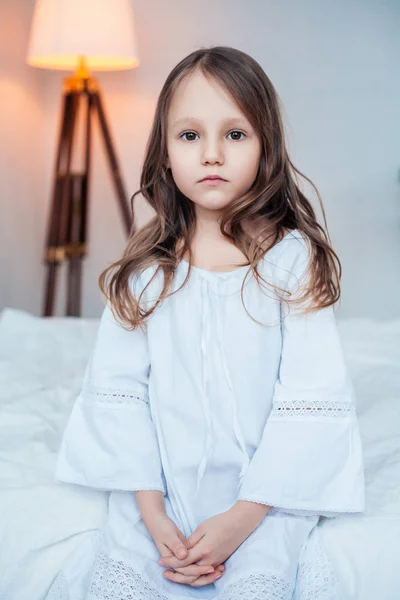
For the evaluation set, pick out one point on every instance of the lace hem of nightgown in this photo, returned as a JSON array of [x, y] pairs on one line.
[[59, 588], [115, 580], [316, 577]]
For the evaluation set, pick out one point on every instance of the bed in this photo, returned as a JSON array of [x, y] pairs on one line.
[[42, 361]]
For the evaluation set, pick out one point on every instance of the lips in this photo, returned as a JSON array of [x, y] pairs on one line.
[[213, 178]]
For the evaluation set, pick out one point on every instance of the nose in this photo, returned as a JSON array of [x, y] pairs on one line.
[[212, 152]]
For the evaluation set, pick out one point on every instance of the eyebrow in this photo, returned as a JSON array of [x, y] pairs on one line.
[[232, 121]]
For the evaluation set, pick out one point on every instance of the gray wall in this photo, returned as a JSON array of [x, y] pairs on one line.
[[335, 67]]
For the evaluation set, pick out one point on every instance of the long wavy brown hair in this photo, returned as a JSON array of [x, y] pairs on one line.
[[272, 206]]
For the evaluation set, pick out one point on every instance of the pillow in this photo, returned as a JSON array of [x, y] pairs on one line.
[[56, 349]]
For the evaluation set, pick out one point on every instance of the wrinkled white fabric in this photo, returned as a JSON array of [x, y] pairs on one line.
[[210, 407]]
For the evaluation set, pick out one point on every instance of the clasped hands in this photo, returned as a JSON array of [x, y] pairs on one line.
[[198, 560]]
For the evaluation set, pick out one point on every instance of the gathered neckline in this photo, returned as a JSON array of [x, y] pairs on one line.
[[211, 272], [233, 272]]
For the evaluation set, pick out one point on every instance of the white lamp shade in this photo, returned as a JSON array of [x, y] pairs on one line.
[[102, 31]]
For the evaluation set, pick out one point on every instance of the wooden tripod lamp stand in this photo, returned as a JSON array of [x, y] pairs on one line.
[[80, 35]]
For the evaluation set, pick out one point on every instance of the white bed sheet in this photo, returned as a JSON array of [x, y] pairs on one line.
[[41, 368]]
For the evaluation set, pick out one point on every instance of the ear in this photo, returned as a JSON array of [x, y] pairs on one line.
[[167, 164]]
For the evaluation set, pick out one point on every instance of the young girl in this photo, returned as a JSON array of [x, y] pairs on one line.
[[216, 406]]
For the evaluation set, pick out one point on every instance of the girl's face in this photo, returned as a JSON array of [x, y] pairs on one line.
[[207, 134]]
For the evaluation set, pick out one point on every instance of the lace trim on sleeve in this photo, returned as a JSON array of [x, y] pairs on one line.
[[332, 511], [113, 397], [311, 408]]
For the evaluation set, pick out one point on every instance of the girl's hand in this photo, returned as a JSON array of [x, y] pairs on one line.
[[171, 542], [183, 574], [217, 538]]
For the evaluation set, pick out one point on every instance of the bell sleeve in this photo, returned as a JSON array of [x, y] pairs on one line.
[[309, 460], [110, 442]]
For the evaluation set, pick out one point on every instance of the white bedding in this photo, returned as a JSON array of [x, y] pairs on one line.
[[41, 368]]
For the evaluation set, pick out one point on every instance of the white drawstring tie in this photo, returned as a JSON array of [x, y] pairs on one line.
[[206, 316]]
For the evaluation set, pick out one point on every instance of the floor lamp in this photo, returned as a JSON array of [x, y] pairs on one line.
[[82, 36]]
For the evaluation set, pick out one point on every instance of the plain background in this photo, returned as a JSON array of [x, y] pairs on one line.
[[335, 68]]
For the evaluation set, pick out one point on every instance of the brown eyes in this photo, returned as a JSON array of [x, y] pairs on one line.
[[190, 133]]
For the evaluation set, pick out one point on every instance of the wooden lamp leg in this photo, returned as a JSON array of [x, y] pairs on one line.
[[57, 224], [126, 211], [68, 222]]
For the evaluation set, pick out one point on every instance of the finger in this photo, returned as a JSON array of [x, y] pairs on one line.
[[220, 570], [206, 579], [183, 539], [164, 550], [195, 570], [221, 566], [179, 577], [193, 539], [178, 549], [204, 561], [173, 562]]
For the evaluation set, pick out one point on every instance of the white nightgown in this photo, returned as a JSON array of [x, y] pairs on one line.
[[210, 407]]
